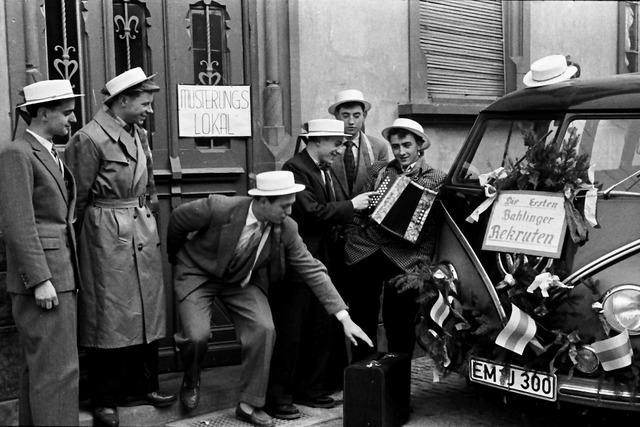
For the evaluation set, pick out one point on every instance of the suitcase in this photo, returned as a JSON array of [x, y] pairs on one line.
[[376, 391]]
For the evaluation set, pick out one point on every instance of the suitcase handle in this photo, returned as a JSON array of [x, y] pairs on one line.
[[376, 363]]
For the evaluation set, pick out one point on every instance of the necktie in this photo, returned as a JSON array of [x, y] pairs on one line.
[[55, 156], [246, 246], [248, 240], [349, 164], [328, 185]]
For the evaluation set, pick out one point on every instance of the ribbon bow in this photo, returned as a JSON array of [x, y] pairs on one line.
[[486, 181], [590, 198], [544, 282]]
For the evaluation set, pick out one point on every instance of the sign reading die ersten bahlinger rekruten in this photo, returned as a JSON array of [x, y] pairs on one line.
[[214, 111], [528, 222]]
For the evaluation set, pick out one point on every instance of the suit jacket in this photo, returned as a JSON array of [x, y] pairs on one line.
[[319, 219], [370, 150], [36, 213], [218, 222]]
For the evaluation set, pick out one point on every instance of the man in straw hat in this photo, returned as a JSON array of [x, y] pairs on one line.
[[300, 362], [122, 303], [233, 248], [37, 197], [361, 150], [376, 255]]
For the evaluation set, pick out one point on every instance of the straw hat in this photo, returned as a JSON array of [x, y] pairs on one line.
[[349, 95], [127, 80], [275, 183], [47, 91], [548, 70], [325, 127], [408, 125]]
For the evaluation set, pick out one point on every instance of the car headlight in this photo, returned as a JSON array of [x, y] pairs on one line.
[[621, 308]]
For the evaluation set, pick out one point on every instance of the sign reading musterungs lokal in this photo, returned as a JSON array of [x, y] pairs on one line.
[[214, 111], [528, 222]]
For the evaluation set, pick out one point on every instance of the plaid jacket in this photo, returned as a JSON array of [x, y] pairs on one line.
[[365, 237]]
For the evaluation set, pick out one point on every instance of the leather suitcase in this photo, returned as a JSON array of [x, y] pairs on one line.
[[377, 390]]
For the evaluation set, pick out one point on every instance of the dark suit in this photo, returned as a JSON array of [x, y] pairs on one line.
[[36, 209], [304, 330], [201, 273]]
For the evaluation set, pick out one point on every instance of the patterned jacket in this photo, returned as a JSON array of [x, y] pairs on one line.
[[366, 237]]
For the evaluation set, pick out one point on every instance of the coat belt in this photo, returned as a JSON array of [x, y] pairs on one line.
[[133, 202]]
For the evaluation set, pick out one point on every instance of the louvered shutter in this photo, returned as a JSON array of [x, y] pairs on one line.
[[463, 45]]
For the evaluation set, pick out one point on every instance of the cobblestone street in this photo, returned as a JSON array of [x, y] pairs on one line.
[[453, 402]]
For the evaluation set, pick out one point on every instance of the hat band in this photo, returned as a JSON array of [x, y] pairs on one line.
[[51, 97], [535, 79]]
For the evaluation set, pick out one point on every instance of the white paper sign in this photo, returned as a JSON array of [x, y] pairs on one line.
[[210, 111], [528, 222]]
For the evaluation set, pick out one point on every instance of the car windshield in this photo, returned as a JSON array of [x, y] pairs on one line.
[[611, 143], [504, 142]]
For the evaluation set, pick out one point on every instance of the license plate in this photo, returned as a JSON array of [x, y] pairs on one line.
[[513, 378]]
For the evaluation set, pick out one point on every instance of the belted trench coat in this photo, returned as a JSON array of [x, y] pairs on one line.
[[122, 300]]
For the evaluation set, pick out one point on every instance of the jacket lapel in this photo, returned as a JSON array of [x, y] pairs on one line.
[[230, 234], [316, 174], [47, 160], [116, 132], [141, 161]]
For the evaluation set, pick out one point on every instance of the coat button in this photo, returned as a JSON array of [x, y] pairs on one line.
[[140, 246]]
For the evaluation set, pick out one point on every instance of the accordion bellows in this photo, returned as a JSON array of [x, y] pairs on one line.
[[402, 207]]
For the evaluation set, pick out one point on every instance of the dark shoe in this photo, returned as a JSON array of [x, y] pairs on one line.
[[159, 399], [257, 417], [283, 411], [190, 396], [315, 402], [107, 417]]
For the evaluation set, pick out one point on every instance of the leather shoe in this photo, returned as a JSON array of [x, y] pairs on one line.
[[107, 417], [316, 401], [257, 417], [159, 399], [190, 396], [283, 411]]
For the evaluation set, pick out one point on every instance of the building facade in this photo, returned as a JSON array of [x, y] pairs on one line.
[[436, 61]]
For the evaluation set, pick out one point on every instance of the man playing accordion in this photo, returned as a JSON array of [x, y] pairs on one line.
[[378, 250]]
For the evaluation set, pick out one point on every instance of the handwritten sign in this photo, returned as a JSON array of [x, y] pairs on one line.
[[529, 222], [214, 111]]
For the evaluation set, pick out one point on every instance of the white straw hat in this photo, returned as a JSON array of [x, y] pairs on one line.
[[275, 183], [47, 91], [126, 80], [349, 95], [548, 70], [408, 125], [325, 127]]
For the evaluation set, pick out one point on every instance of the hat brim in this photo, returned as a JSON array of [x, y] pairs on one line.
[[529, 82], [341, 135], [113, 95], [385, 132], [333, 107], [296, 188], [52, 99]]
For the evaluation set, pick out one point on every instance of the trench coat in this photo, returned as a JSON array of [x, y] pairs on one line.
[[122, 301]]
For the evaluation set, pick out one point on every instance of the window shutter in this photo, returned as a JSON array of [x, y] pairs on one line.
[[463, 45]]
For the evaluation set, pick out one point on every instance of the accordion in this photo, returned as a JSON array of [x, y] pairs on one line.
[[402, 207]]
